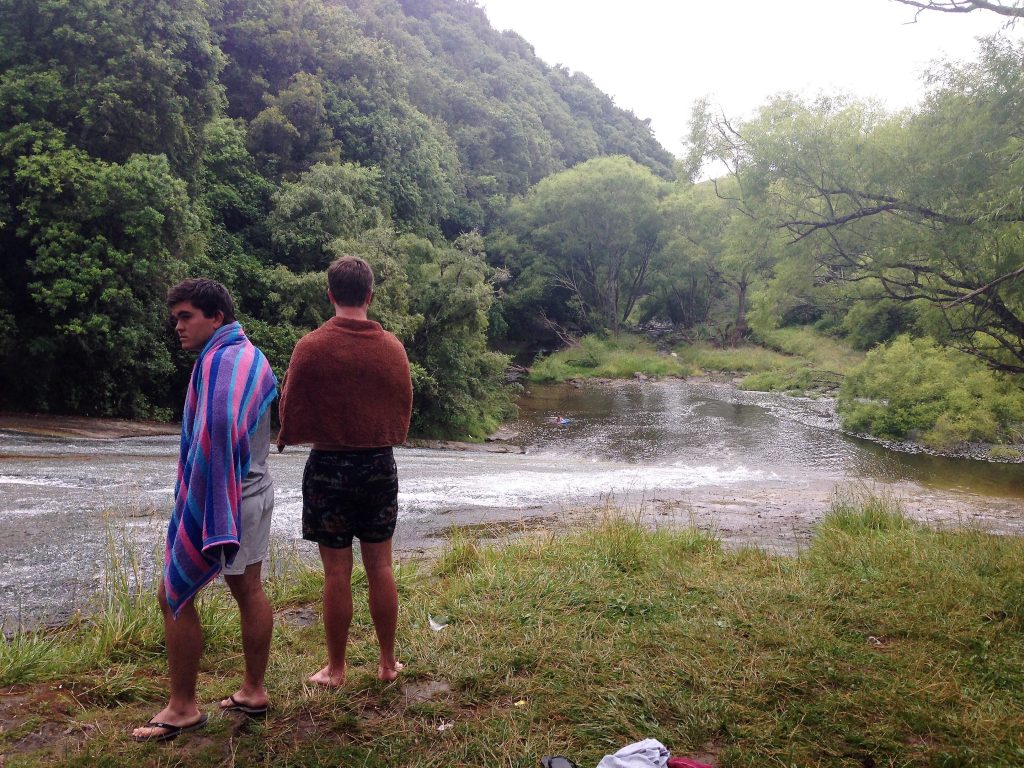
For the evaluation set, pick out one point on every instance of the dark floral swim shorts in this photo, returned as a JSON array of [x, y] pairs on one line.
[[348, 494]]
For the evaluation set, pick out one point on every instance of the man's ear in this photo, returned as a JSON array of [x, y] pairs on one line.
[[330, 297], [369, 297], [218, 318]]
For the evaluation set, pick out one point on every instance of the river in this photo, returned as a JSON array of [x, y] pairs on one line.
[[757, 468]]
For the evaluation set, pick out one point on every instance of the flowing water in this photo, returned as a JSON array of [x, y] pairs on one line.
[[756, 468]]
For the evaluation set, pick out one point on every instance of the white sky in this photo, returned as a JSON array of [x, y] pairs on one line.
[[656, 57]]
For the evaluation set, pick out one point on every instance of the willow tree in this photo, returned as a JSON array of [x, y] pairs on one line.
[[925, 204]]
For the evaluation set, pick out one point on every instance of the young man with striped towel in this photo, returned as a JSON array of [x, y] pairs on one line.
[[223, 501]]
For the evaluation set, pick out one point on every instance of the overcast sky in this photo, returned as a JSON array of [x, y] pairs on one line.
[[656, 57]]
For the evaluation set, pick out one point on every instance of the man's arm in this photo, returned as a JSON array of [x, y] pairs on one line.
[[291, 376]]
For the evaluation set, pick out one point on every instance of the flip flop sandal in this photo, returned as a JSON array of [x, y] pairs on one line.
[[245, 709], [171, 731]]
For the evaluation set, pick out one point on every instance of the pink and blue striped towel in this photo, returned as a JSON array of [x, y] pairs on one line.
[[231, 388]]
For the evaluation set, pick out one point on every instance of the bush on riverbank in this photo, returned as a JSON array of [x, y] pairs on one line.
[[914, 388], [618, 356], [882, 643]]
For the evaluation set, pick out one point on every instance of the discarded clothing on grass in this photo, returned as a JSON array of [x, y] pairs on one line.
[[649, 753], [231, 388]]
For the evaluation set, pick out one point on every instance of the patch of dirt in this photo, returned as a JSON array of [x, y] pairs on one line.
[[13, 712], [58, 733], [302, 616], [56, 737], [708, 754], [881, 642], [497, 529], [421, 691]]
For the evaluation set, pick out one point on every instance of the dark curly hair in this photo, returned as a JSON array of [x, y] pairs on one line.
[[208, 296]]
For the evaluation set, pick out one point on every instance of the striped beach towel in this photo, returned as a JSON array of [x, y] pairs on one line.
[[231, 388]]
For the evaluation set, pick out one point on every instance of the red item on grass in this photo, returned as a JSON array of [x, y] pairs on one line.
[[685, 762]]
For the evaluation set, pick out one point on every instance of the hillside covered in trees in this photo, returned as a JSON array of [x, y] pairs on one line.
[[504, 203], [252, 141]]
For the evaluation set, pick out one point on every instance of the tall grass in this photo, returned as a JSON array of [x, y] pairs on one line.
[[745, 358], [884, 642], [823, 352], [797, 360], [612, 357]]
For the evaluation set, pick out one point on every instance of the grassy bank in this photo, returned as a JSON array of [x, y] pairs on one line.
[[883, 643], [620, 356], [797, 360], [794, 360]]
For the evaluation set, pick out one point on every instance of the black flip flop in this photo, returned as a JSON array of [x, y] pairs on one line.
[[245, 709], [171, 731]]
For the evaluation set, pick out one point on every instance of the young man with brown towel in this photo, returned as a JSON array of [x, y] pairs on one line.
[[348, 393]]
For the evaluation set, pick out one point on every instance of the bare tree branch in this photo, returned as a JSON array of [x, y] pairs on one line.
[[988, 286], [1014, 10]]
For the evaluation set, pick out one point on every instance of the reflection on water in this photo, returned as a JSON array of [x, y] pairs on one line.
[[702, 421], [60, 500]]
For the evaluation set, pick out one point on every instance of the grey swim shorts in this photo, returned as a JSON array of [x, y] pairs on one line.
[[257, 510]]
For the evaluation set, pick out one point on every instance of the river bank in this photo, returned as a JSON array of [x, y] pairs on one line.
[[90, 428], [753, 469], [847, 653], [504, 440]]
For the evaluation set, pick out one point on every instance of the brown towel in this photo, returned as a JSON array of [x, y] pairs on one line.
[[347, 387]]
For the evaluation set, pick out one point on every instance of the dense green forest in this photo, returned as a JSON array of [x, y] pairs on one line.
[[504, 204], [252, 141]]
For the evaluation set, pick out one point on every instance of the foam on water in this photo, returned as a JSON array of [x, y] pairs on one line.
[[45, 482], [535, 485]]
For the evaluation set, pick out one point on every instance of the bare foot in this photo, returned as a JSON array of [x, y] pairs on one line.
[[329, 677], [389, 673]]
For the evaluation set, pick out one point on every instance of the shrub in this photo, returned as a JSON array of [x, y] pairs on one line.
[[1003, 453], [872, 322], [914, 386]]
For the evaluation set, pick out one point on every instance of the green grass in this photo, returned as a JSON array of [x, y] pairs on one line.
[[1003, 453], [796, 360], [746, 358], [613, 357], [882, 643], [824, 353]]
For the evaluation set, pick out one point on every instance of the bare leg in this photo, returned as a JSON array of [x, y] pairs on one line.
[[337, 613], [383, 604], [257, 630], [184, 640]]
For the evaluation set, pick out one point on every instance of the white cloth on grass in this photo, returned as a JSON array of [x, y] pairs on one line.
[[649, 753]]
